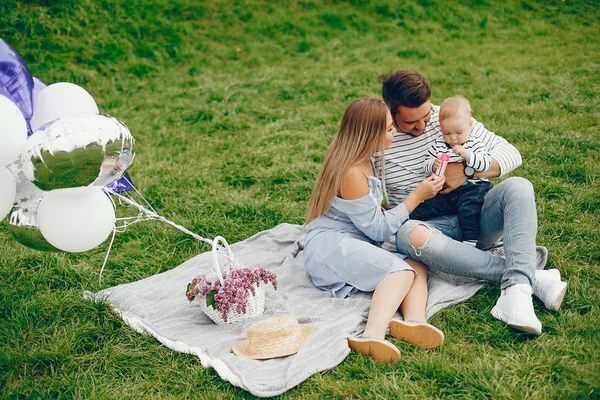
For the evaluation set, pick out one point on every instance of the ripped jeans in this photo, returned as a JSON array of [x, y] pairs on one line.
[[509, 212]]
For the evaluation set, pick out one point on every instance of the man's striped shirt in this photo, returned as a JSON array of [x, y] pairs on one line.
[[404, 161]]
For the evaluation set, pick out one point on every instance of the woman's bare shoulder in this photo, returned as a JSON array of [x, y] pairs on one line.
[[354, 185]]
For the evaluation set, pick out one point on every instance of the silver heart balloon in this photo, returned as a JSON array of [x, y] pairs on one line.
[[78, 150]]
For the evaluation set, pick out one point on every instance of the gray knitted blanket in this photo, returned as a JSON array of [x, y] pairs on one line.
[[157, 306]]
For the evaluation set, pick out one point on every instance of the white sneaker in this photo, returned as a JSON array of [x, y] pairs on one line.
[[515, 307], [549, 288], [548, 274]]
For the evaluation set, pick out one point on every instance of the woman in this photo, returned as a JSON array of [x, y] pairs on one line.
[[346, 226]]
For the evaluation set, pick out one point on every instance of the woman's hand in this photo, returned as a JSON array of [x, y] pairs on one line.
[[429, 187]]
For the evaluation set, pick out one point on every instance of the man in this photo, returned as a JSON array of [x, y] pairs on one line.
[[508, 210]]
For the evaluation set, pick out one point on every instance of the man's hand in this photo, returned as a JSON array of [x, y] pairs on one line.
[[461, 151], [455, 177]]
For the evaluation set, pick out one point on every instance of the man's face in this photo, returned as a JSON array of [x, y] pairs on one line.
[[413, 120]]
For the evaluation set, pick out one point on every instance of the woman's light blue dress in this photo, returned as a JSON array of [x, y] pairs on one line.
[[343, 251]]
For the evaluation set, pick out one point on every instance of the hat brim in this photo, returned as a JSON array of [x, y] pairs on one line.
[[243, 349]]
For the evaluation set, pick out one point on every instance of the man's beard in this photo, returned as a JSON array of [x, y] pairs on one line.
[[411, 134]]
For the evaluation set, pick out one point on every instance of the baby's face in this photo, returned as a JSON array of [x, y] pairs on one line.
[[456, 130]]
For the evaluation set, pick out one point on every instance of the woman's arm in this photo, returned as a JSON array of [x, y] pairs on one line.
[[364, 213], [367, 216]]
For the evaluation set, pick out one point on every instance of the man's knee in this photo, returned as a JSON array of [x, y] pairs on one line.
[[419, 235], [519, 186], [403, 236]]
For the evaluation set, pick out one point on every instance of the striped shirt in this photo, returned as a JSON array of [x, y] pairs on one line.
[[404, 161], [480, 157]]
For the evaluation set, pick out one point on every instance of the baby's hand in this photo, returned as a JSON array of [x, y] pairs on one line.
[[461, 151], [436, 165]]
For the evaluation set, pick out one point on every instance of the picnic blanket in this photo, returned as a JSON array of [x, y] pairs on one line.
[[158, 306]]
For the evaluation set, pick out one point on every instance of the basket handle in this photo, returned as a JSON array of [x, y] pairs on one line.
[[215, 252]]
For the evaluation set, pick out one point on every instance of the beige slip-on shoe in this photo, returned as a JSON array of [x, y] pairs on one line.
[[377, 349], [421, 334]]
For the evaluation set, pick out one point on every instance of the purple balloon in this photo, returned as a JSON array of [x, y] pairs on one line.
[[16, 80], [38, 85], [123, 184], [4, 92]]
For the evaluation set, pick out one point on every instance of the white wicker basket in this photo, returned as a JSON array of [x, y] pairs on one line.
[[256, 302]]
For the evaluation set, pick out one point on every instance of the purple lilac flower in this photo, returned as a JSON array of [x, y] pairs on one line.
[[233, 293], [200, 286]]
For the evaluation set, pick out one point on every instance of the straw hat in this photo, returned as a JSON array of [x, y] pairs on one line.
[[273, 337]]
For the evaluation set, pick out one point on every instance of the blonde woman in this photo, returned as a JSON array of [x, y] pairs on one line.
[[346, 226]]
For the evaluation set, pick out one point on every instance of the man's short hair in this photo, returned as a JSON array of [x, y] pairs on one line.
[[404, 88]]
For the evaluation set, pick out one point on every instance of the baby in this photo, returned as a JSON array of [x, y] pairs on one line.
[[462, 146]]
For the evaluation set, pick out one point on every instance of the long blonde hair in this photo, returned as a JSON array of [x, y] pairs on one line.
[[361, 132]]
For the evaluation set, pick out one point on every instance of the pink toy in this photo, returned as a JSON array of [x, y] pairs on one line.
[[442, 170]]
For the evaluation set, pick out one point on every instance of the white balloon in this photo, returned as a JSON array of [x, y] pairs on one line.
[[8, 191], [59, 100], [76, 219], [13, 131]]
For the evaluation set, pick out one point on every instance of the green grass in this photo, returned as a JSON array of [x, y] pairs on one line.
[[233, 105]]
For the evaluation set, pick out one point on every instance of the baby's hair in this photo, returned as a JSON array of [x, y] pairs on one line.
[[454, 106]]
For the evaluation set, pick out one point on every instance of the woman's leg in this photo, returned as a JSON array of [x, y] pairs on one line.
[[413, 306], [414, 328], [386, 299]]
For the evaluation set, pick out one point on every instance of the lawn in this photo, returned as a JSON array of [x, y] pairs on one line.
[[233, 105]]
